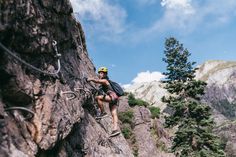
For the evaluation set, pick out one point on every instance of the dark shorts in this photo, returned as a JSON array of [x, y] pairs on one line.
[[114, 99], [114, 103]]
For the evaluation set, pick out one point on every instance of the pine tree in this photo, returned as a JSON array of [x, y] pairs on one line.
[[194, 136]]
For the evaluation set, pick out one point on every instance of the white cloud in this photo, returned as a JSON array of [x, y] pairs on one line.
[[186, 16], [189, 15], [200, 11], [105, 19], [218, 12], [125, 86], [101, 15], [144, 77], [179, 5], [148, 77], [178, 16]]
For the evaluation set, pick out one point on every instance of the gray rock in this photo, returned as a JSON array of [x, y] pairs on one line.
[[146, 143]]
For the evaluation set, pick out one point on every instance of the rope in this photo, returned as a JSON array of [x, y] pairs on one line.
[[81, 88], [58, 55], [23, 109], [69, 92], [73, 94]]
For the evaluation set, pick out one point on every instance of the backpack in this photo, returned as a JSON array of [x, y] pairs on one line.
[[117, 88]]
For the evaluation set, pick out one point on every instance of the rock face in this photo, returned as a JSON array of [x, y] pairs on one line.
[[90, 138], [220, 93], [149, 137], [146, 144], [227, 132], [221, 96], [46, 106]]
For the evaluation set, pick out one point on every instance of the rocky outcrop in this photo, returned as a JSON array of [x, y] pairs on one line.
[[149, 138], [220, 92], [227, 132], [91, 138], [46, 106], [142, 130], [221, 96]]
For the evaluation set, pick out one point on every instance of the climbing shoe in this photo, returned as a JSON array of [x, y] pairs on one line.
[[102, 115], [114, 133]]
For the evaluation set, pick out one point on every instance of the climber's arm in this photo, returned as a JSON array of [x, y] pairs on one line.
[[99, 81]]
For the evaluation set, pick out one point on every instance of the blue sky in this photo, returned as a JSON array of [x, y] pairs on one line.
[[128, 36]]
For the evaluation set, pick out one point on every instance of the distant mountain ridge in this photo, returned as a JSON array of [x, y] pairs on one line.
[[151, 92], [220, 94]]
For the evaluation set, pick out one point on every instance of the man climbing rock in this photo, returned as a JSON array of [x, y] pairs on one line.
[[109, 96]]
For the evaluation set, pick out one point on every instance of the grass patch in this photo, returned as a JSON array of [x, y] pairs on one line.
[[126, 117], [136, 102], [127, 131], [155, 112]]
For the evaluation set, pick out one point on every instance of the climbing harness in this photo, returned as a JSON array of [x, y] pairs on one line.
[[58, 55], [31, 113]]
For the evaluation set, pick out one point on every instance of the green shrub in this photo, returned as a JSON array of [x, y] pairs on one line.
[[127, 131], [126, 117], [155, 112], [131, 96], [136, 102]]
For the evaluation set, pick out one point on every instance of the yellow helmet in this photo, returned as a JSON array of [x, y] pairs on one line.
[[103, 69]]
